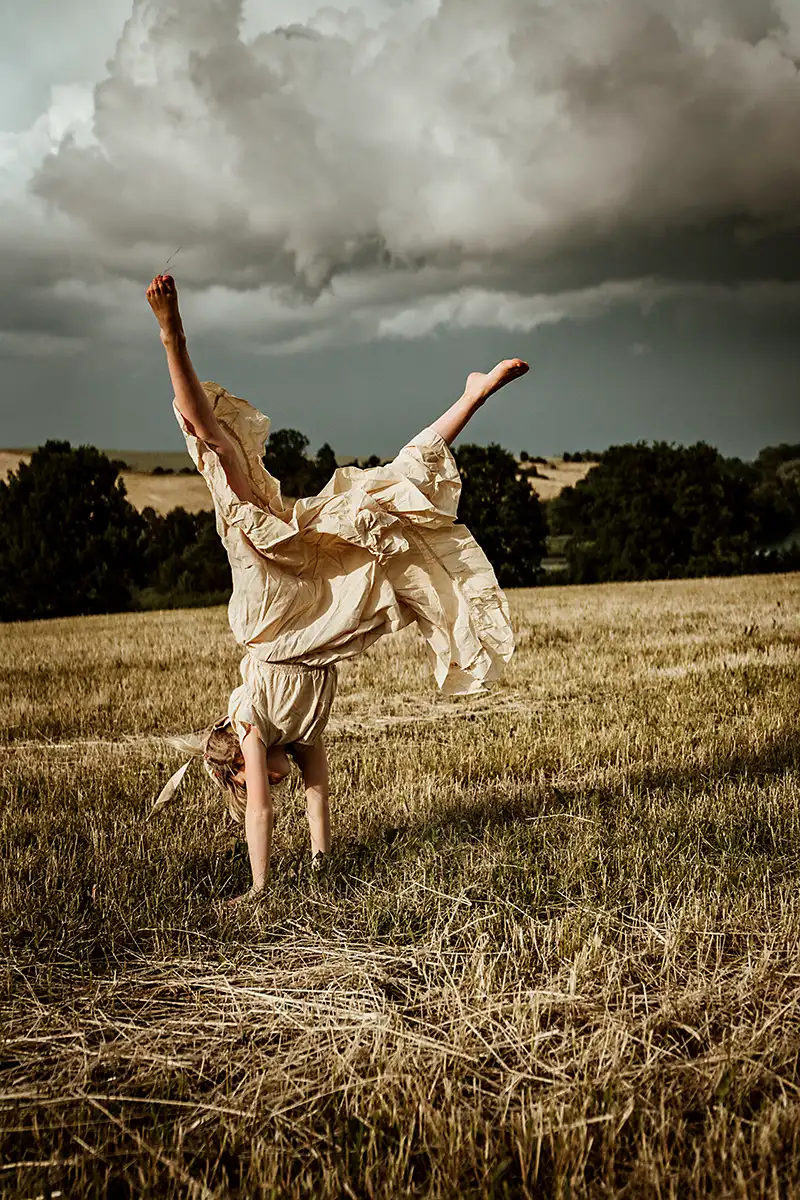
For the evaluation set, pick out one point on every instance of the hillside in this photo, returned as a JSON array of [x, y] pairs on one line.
[[161, 492], [165, 492], [554, 475]]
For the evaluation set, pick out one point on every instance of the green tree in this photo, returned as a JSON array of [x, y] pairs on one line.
[[184, 560], [286, 458], [326, 464], [777, 470], [69, 538], [503, 512], [660, 511]]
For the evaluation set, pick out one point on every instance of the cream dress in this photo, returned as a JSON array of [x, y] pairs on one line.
[[322, 579]]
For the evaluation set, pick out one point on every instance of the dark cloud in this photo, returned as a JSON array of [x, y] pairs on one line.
[[623, 170], [578, 140]]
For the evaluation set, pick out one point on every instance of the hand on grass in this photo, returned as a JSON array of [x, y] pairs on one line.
[[245, 898]]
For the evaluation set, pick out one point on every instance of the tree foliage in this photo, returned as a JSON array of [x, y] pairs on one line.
[[777, 490], [184, 560], [69, 538], [661, 511], [285, 457], [503, 513], [71, 543]]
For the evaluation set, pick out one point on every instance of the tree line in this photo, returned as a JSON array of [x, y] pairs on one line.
[[71, 543]]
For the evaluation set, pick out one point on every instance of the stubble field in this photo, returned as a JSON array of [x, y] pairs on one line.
[[556, 951]]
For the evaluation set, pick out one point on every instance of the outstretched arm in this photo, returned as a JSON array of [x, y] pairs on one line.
[[258, 815], [191, 401]]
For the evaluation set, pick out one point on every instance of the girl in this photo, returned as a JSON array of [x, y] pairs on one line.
[[321, 580]]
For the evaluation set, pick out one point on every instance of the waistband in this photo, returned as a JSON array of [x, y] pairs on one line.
[[295, 668]]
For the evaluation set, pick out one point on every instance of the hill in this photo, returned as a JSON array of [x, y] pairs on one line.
[[165, 492], [161, 492], [554, 475]]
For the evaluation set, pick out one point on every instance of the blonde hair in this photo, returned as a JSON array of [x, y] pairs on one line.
[[222, 759]]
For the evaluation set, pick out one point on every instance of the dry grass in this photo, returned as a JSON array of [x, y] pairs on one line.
[[555, 954], [165, 492], [552, 477]]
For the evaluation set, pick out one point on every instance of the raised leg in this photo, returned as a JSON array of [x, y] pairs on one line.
[[478, 389]]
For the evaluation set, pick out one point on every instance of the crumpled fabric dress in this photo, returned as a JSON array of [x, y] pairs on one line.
[[322, 579]]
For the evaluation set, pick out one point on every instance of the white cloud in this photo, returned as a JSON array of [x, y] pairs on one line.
[[67, 118], [395, 169]]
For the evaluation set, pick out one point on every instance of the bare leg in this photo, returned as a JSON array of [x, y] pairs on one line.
[[258, 814], [477, 391]]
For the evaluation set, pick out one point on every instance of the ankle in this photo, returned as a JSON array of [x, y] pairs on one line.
[[473, 402]]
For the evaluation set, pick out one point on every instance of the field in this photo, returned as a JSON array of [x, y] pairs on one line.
[[554, 475], [556, 951], [165, 492], [161, 492]]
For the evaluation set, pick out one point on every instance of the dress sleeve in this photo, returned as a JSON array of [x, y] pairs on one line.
[[266, 525]]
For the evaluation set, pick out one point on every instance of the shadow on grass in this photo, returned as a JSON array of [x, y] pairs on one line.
[[497, 805], [524, 823], [755, 765]]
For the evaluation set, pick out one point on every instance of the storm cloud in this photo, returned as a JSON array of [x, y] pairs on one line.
[[362, 176], [405, 188]]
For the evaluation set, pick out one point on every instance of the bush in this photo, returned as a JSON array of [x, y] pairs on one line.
[[70, 542], [660, 511], [502, 512], [184, 561]]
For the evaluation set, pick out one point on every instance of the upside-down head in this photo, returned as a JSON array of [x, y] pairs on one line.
[[224, 762]]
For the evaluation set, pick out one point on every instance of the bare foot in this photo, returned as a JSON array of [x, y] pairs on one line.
[[162, 296], [480, 387]]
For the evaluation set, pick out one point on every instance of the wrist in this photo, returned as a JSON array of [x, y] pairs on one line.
[[173, 339]]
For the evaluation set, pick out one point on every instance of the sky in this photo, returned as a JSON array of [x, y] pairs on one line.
[[364, 203]]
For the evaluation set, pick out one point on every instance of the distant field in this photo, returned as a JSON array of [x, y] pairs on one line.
[[161, 492], [165, 492], [555, 475], [555, 952]]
